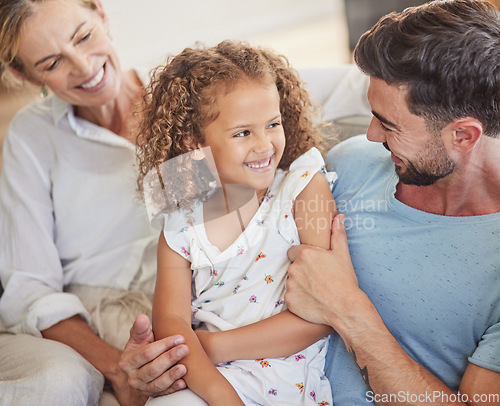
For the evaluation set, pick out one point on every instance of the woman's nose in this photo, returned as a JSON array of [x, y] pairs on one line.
[[82, 64]]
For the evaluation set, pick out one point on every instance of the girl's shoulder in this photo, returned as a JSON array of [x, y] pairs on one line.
[[303, 169], [288, 184]]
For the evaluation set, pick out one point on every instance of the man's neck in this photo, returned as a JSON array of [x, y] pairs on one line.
[[472, 190]]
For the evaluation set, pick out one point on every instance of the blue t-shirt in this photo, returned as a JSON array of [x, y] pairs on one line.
[[435, 280]]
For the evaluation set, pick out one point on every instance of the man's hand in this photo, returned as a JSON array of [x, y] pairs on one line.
[[151, 366], [322, 282]]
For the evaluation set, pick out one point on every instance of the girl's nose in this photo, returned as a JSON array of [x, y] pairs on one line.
[[262, 143]]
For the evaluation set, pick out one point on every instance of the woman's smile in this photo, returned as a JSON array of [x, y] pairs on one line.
[[93, 83]]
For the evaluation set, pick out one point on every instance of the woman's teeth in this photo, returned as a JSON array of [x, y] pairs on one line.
[[261, 165], [94, 82]]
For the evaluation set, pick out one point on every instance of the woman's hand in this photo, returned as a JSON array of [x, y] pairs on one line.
[[151, 366]]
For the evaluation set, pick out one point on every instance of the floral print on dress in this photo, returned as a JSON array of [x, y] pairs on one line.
[[264, 363], [246, 283], [185, 252], [260, 256], [268, 196]]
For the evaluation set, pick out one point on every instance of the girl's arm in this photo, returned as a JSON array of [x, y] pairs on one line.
[[172, 315], [283, 334]]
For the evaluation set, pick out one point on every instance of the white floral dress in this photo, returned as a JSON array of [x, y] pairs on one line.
[[246, 283]]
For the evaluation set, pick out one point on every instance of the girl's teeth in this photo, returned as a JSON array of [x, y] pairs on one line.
[[94, 82], [263, 165]]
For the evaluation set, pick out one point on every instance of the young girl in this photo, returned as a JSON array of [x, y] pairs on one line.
[[242, 113]]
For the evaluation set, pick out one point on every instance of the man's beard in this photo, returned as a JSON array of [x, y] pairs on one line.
[[435, 164]]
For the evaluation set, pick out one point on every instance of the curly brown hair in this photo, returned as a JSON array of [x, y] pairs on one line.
[[180, 103]]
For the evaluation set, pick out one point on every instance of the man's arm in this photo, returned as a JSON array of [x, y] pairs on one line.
[[323, 288]]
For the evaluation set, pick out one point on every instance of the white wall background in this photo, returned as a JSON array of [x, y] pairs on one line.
[[306, 31]]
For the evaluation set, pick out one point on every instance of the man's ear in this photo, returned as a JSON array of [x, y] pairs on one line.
[[466, 132]]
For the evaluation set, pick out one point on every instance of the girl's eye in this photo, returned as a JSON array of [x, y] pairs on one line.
[[243, 133], [274, 125]]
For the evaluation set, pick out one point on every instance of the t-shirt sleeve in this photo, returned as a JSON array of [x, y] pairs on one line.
[[487, 354]]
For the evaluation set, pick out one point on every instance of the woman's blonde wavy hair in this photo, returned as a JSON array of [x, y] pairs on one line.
[[181, 101]]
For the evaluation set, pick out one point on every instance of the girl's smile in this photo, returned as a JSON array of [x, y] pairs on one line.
[[262, 165]]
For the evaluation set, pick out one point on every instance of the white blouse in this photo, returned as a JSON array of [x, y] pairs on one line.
[[69, 214]]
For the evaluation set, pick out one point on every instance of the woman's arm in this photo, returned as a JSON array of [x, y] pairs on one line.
[[172, 315], [76, 333], [283, 334]]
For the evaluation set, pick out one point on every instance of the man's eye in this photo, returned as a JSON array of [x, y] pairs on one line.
[[387, 129]]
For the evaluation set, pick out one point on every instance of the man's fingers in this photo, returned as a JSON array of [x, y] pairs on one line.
[[294, 252], [338, 236]]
